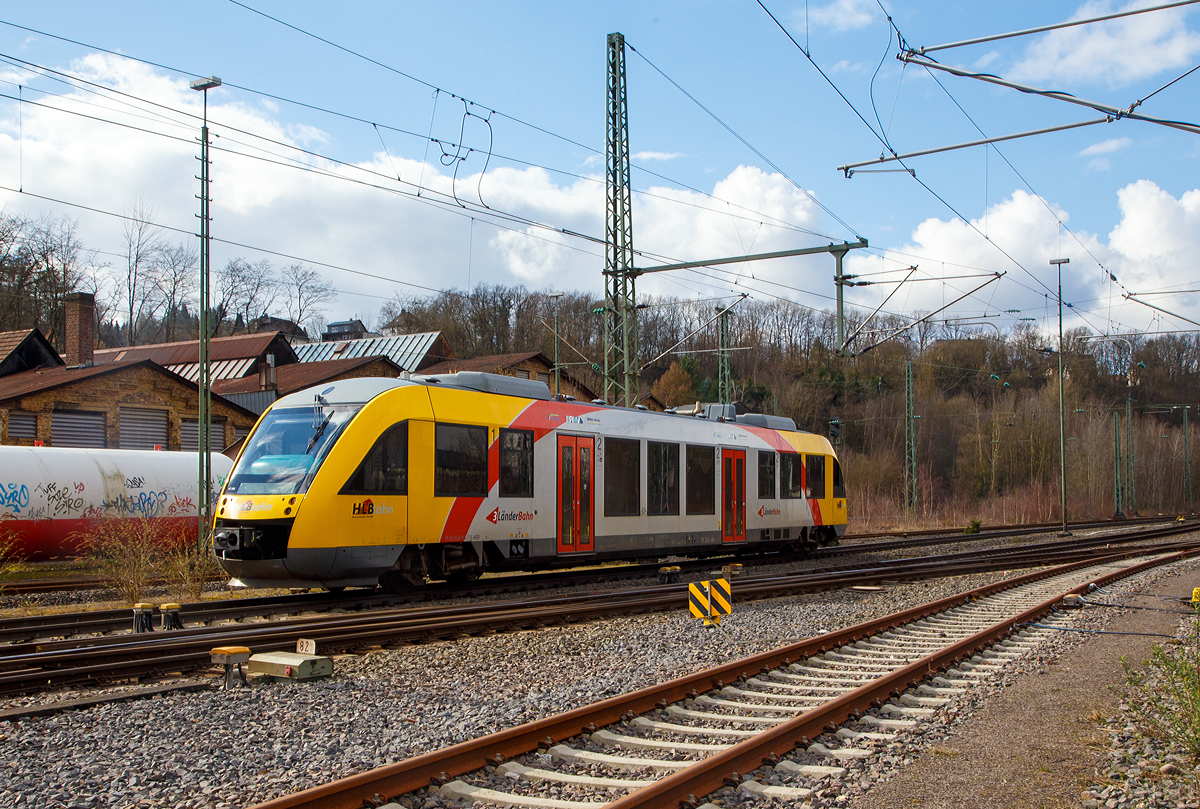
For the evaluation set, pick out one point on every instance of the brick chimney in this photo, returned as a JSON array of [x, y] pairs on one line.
[[80, 315]]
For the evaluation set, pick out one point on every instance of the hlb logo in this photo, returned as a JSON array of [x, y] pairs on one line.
[[249, 505], [368, 509]]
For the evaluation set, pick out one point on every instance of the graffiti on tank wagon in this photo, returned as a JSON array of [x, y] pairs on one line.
[[14, 497], [60, 499], [181, 505], [135, 482], [141, 504]]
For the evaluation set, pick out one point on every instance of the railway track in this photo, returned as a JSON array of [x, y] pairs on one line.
[[97, 659], [793, 715], [850, 544], [25, 629]]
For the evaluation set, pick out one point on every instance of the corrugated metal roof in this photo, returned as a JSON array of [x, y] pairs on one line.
[[256, 401], [406, 350], [225, 369]]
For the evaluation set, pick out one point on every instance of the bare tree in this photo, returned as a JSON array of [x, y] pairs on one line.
[[143, 244], [244, 291], [177, 285], [305, 292]]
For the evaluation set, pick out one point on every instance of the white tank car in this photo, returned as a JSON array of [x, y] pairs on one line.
[[51, 498]]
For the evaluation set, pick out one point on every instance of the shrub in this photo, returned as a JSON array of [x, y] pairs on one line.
[[1169, 691], [10, 560], [188, 566], [973, 527], [127, 553]]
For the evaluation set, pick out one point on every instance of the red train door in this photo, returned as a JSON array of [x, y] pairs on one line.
[[576, 468], [733, 495]]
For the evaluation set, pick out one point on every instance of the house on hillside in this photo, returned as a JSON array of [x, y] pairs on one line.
[[347, 330]]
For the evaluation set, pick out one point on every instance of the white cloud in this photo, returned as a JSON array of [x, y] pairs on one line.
[[321, 218], [648, 156], [987, 59], [1099, 164], [1156, 245], [1116, 52], [1106, 146], [843, 15]]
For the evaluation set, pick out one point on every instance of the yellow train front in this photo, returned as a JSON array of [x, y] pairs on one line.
[[398, 481]]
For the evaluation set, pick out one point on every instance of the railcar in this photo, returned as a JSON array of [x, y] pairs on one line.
[[398, 481], [51, 497]]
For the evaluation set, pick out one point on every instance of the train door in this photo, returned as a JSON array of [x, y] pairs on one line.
[[576, 512], [733, 495]]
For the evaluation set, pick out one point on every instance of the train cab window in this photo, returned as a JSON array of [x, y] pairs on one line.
[[516, 463], [766, 475], [622, 477], [791, 476], [460, 461], [701, 480], [839, 483], [385, 469], [662, 486], [815, 466]]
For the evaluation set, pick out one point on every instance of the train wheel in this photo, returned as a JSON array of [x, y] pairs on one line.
[[394, 581], [335, 589]]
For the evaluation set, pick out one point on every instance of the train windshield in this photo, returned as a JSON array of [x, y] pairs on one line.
[[287, 449]]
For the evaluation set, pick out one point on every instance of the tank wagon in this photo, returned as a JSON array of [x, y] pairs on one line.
[[50, 497], [397, 481]]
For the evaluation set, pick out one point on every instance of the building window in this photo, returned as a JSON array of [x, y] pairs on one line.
[[766, 475], [516, 463], [460, 461], [816, 477], [543, 377], [385, 469], [622, 477], [701, 480], [839, 483], [662, 485], [21, 425], [791, 475]]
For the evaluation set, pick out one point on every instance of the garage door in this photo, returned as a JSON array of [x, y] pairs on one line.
[[189, 436], [143, 429], [75, 429]]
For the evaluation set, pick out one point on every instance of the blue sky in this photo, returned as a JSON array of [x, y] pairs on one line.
[[1127, 192]]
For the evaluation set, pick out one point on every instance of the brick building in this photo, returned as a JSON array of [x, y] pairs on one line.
[[127, 404]]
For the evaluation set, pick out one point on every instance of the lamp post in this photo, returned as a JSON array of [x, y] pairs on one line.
[[557, 383], [204, 379], [1062, 421]]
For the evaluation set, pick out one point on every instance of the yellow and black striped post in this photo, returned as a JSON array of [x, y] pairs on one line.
[[710, 600]]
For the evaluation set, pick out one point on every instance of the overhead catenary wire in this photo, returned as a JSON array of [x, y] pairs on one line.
[[749, 212]]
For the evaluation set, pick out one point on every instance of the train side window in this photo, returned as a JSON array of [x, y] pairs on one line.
[[766, 475], [815, 489], [385, 469], [662, 487], [516, 463], [701, 480], [839, 483], [791, 476], [622, 477], [460, 461]]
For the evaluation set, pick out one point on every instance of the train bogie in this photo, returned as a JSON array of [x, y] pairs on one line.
[[446, 477]]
